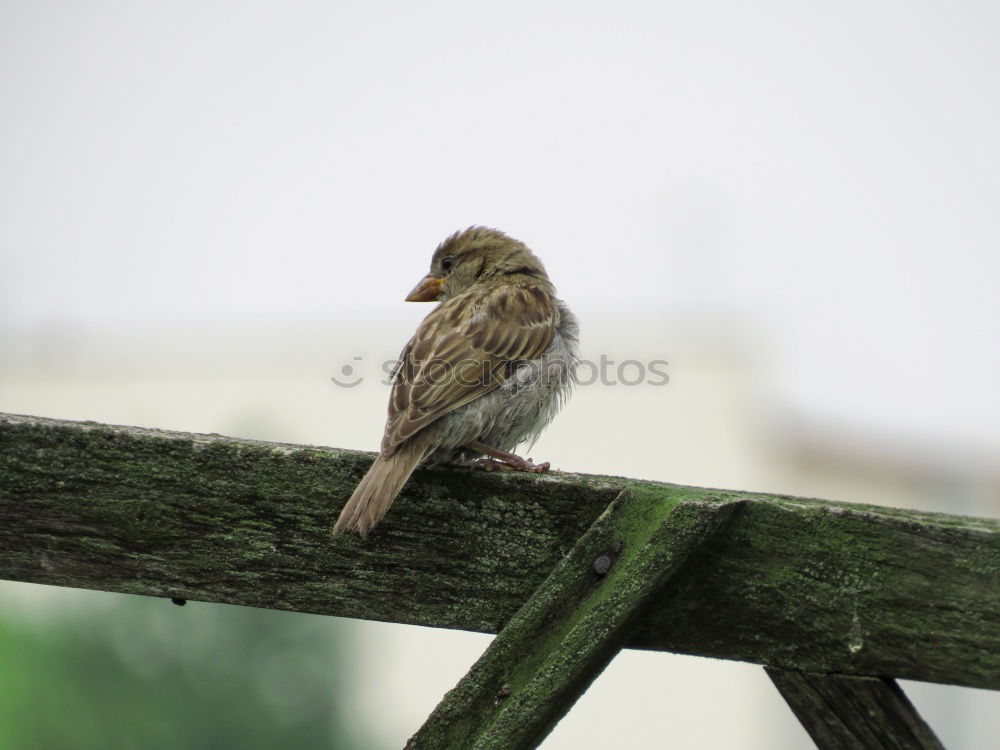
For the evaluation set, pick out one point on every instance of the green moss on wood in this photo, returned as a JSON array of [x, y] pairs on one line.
[[573, 624], [793, 583], [841, 711]]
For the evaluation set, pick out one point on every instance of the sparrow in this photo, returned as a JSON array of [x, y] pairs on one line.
[[487, 369]]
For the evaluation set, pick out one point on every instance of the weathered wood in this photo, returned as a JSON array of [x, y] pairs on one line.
[[572, 626], [843, 712], [797, 584]]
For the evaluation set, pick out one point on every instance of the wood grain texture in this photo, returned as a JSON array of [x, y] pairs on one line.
[[854, 713], [795, 584], [572, 626]]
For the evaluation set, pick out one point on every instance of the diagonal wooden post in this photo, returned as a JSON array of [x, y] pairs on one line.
[[845, 712], [574, 623]]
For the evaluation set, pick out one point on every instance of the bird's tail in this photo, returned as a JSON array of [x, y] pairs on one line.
[[378, 488]]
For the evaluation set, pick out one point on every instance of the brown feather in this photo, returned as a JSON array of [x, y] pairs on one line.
[[379, 487], [502, 322]]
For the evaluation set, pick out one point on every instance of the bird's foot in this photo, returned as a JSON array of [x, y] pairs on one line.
[[526, 464], [521, 464], [504, 461]]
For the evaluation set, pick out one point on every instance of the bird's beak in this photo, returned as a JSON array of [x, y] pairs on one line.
[[428, 290]]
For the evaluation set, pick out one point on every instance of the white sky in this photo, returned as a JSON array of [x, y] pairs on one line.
[[826, 179]]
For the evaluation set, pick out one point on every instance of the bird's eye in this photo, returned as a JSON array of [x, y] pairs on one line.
[[447, 263]]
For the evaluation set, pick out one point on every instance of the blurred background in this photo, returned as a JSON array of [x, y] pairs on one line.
[[208, 210]]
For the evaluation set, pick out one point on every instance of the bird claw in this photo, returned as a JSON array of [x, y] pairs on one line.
[[535, 468], [521, 464]]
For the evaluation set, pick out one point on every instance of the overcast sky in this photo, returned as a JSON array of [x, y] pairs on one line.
[[826, 179]]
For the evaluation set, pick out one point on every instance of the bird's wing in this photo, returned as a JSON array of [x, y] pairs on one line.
[[463, 350]]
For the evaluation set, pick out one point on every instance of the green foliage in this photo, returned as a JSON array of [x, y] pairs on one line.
[[141, 673]]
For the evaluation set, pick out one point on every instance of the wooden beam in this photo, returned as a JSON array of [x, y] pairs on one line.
[[797, 584], [843, 712], [572, 626]]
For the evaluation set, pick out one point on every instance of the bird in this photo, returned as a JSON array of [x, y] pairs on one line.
[[487, 369]]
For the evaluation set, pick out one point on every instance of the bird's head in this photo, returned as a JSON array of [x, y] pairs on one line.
[[477, 255]]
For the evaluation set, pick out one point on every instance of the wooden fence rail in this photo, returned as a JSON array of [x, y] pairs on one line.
[[806, 586]]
